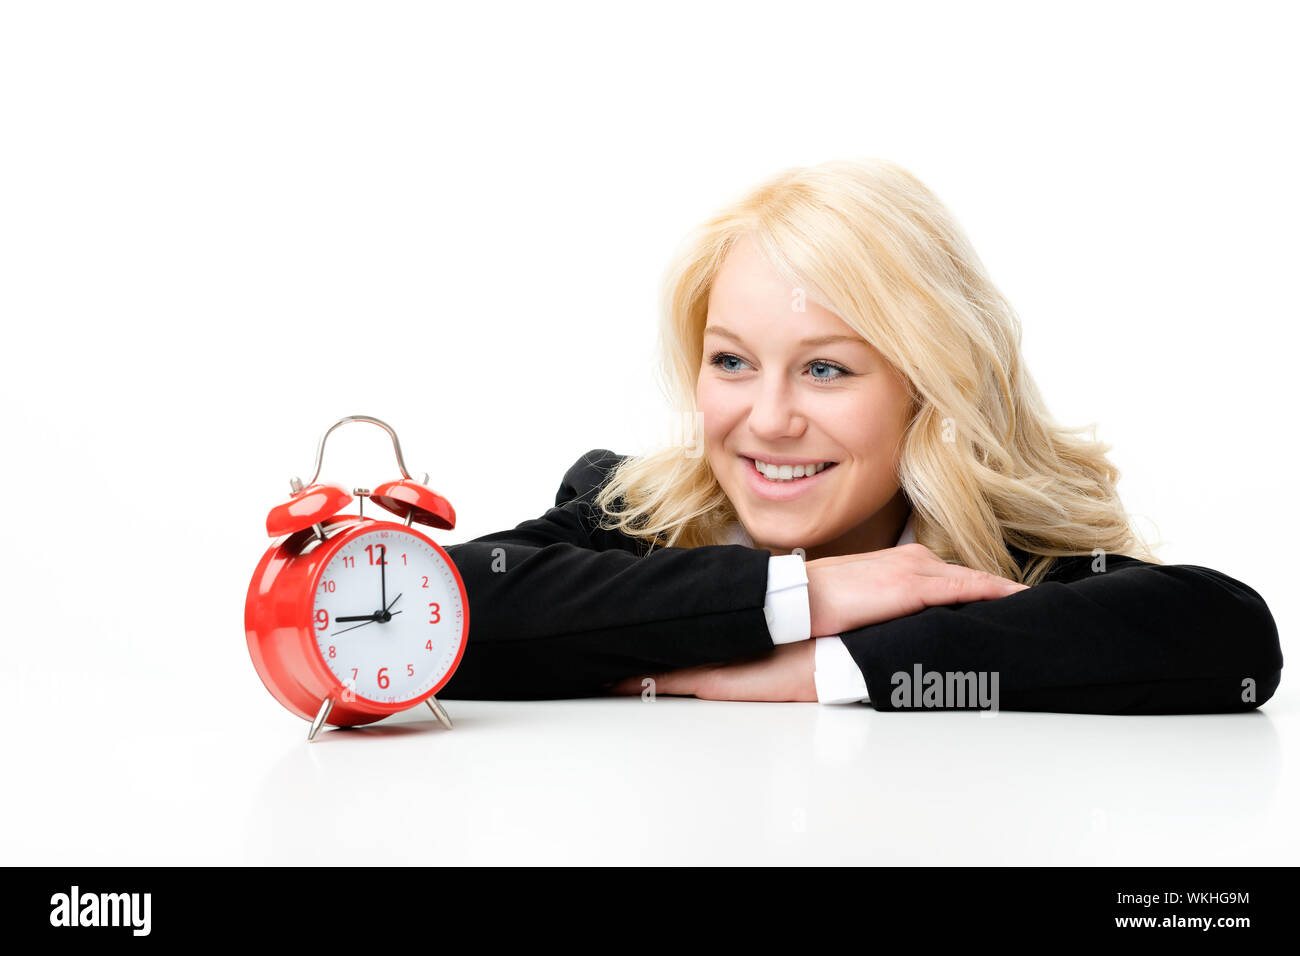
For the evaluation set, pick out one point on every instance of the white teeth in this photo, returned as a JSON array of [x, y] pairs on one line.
[[788, 472]]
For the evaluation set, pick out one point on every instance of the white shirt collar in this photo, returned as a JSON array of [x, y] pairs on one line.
[[736, 534]]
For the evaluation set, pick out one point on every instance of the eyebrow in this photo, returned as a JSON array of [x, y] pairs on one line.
[[816, 340]]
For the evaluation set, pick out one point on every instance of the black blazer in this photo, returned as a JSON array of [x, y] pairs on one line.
[[560, 609]]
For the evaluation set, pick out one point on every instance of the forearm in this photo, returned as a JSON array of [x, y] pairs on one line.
[[1136, 639], [563, 621]]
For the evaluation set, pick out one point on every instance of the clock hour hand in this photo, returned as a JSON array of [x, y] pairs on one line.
[[378, 616]]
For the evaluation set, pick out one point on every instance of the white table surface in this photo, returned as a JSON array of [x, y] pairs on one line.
[[676, 780]]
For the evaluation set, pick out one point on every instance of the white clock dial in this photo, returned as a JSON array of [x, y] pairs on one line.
[[404, 654]]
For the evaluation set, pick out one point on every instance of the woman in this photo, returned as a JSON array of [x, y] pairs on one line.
[[871, 502]]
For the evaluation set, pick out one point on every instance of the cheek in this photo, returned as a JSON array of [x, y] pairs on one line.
[[870, 427], [716, 407], [706, 392]]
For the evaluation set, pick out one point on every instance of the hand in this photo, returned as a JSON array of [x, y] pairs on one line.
[[784, 673], [854, 590]]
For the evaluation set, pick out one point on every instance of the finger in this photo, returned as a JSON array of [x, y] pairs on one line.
[[945, 570], [960, 588], [637, 683], [626, 686], [666, 683]]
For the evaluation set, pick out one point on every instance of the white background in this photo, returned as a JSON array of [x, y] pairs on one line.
[[224, 226]]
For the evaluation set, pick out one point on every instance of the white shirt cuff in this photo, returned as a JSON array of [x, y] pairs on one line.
[[837, 676], [786, 604]]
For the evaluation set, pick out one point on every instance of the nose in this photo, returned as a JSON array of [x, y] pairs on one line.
[[774, 413]]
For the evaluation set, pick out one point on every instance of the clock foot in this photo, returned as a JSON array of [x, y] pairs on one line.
[[325, 707], [438, 711]]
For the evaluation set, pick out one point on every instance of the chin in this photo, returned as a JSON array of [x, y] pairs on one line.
[[782, 538]]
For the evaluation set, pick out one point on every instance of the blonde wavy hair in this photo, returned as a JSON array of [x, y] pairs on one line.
[[982, 463]]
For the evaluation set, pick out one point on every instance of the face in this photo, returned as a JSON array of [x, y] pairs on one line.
[[789, 388]]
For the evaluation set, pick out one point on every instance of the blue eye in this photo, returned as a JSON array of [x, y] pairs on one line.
[[722, 357], [826, 365], [718, 358]]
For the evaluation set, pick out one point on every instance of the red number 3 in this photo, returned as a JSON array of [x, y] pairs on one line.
[[433, 609]]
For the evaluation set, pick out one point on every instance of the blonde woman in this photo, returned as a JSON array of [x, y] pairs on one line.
[[872, 503]]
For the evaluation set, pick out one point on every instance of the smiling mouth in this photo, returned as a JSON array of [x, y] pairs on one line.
[[788, 474]]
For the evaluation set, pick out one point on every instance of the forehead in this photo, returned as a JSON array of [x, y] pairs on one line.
[[746, 274], [750, 296]]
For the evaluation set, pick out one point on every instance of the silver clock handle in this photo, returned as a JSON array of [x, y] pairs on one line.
[[297, 485]]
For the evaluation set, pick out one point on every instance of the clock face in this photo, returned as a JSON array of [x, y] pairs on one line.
[[401, 654]]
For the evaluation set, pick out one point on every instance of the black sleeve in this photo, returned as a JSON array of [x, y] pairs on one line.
[[558, 608], [1136, 638]]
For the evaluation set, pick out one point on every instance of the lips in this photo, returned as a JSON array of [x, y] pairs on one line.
[[769, 490]]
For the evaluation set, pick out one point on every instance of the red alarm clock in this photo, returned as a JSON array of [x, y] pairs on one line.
[[349, 618]]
